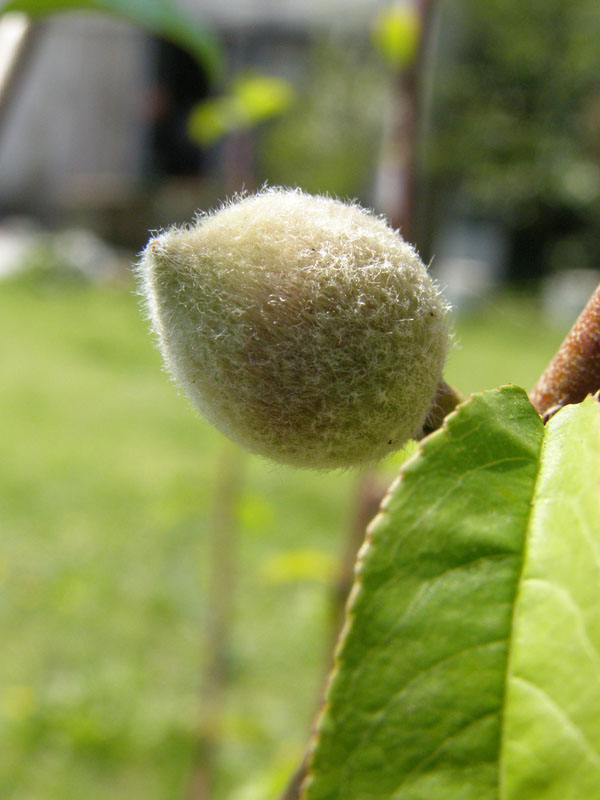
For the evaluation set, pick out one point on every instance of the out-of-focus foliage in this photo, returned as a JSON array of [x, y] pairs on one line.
[[162, 17], [396, 32], [300, 564], [516, 105], [253, 98], [328, 142]]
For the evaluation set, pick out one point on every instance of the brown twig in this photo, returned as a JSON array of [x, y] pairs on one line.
[[574, 372], [400, 156], [220, 601], [368, 493]]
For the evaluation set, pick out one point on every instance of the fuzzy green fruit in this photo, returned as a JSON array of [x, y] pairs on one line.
[[302, 327]]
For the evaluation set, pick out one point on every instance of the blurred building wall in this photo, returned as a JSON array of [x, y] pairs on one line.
[[79, 133], [77, 124], [284, 13]]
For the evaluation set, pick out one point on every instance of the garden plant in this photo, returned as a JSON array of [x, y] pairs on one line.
[[309, 331]]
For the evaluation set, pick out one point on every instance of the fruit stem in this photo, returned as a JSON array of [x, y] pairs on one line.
[[574, 372], [446, 400]]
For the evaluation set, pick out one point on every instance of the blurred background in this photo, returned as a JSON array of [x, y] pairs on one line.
[[167, 603]]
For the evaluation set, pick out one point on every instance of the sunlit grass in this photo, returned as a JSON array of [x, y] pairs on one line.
[[505, 340]]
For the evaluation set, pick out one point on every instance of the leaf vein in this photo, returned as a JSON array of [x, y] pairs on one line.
[[432, 508], [419, 673], [423, 762], [369, 732], [568, 600], [424, 586], [576, 733]]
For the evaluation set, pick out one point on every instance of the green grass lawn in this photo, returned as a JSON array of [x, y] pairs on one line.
[[107, 484]]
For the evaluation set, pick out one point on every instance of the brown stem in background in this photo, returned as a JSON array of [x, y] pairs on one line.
[[220, 604], [397, 180], [574, 372], [398, 202], [368, 494]]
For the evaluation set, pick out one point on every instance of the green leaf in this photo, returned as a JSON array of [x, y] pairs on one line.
[[210, 120], [469, 665], [254, 98], [396, 33], [261, 97], [298, 565], [551, 743], [162, 17]]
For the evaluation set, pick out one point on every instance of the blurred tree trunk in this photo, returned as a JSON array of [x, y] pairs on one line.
[[396, 182]]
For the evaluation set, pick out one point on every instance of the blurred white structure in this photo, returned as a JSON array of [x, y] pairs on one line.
[[77, 114], [470, 260], [78, 131], [285, 13], [565, 293]]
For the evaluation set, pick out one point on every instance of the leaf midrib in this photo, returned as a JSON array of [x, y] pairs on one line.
[[577, 734]]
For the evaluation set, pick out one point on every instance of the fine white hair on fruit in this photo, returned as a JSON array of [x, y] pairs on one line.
[[304, 328]]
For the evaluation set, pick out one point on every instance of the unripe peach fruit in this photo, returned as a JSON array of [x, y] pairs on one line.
[[302, 327]]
